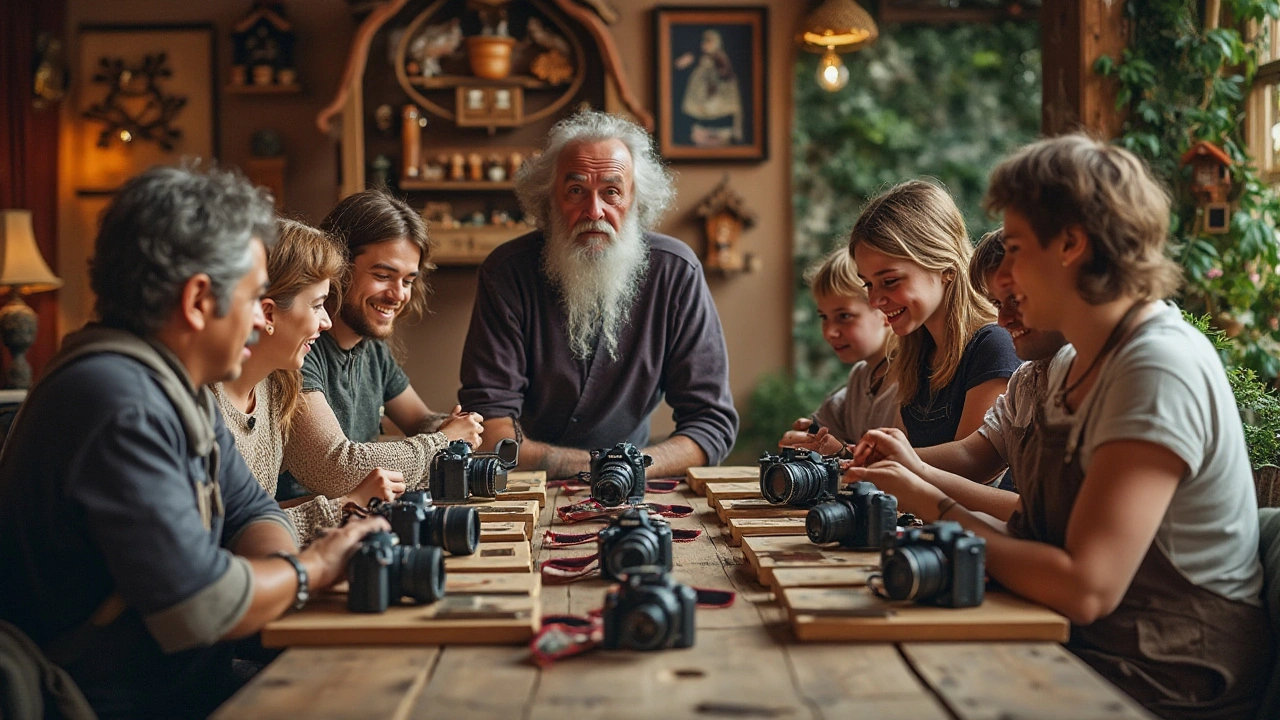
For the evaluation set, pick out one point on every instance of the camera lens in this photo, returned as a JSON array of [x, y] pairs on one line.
[[484, 477], [915, 572], [644, 628], [613, 486], [422, 573], [638, 548], [454, 528], [829, 522], [793, 482]]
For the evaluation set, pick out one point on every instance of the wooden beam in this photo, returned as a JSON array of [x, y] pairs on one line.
[[1074, 34]]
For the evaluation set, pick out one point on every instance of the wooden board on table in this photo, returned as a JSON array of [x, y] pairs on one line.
[[522, 511], [526, 485], [751, 527], [766, 554], [756, 507], [456, 618], [731, 491], [492, 558], [787, 577], [507, 531], [482, 583], [866, 680], [854, 613], [698, 477]]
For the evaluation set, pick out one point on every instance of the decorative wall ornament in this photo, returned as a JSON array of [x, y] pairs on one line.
[[725, 216], [136, 107], [262, 48]]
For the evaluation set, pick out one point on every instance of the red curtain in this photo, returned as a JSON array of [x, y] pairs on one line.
[[29, 145]]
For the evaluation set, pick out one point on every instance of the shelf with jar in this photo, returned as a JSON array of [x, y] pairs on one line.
[[470, 237]]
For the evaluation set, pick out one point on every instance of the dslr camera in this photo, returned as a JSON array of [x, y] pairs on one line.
[[634, 539], [416, 521], [617, 475], [940, 564], [649, 611], [457, 473], [857, 518], [382, 572], [799, 478]]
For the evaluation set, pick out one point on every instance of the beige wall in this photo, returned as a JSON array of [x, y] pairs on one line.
[[754, 307]]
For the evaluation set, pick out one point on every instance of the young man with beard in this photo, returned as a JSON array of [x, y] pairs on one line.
[[582, 326], [134, 541], [1006, 437]]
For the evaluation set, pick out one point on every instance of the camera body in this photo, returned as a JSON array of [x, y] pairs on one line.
[[634, 539], [940, 564], [416, 521], [649, 611], [458, 473], [799, 478], [857, 518], [617, 475], [382, 572]]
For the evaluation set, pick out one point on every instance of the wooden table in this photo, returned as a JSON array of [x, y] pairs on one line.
[[745, 664]]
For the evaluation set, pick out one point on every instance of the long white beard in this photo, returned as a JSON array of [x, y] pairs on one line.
[[597, 285]]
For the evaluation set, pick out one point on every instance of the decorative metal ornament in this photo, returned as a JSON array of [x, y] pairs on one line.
[[135, 107]]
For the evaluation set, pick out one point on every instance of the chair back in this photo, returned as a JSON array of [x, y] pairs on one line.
[[1269, 550]]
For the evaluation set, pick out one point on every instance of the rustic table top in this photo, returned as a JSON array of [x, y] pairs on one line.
[[745, 663]]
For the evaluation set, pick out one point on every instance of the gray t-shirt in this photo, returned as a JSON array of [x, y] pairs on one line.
[[850, 411], [1009, 418], [356, 383], [1166, 385]]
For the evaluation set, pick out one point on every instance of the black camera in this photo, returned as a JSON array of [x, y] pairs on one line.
[[940, 564], [649, 611], [416, 521], [382, 572], [634, 539], [617, 475], [457, 473], [799, 478], [857, 518]]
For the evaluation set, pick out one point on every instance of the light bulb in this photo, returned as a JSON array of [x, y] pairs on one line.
[[125, 136], [832, 74]]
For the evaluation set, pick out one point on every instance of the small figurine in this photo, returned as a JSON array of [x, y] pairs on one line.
[[475, 166], [435, 42], [457, 167], [381, 171], [515, 162], [477, 218], [383, 117], [496, 171]]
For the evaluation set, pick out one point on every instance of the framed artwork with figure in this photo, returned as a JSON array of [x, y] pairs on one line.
[[710, 69]]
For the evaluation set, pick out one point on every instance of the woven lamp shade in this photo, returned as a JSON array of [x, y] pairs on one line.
[[841, 25]]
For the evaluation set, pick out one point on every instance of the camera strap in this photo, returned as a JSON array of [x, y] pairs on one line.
[[591, 509], [582, 483], [553, 539]]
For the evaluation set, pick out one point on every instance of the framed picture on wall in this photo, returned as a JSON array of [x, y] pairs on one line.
[[710, 68], [145, 96]]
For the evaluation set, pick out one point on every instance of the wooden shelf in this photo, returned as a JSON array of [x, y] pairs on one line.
[[457, 185], [471, 244], [263, 89], [448, 82]]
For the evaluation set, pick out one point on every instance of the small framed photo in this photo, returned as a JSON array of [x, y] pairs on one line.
[[710, 71]]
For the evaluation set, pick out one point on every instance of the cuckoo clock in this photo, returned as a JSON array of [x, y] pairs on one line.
[[725, 216], [1210, 184], [262, 48]]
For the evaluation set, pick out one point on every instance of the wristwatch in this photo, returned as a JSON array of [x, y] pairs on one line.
[[304, 589]]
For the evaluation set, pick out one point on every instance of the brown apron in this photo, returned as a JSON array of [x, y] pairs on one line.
[[1184, 652]]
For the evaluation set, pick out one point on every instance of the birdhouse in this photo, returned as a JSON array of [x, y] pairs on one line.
[[1210, 184], [725, 215], [262, 47]]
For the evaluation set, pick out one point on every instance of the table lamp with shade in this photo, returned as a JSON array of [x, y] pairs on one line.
[[23, 271]]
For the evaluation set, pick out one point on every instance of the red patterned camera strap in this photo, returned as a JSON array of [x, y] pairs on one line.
[[555, 540], [591, 509], [573, 486]]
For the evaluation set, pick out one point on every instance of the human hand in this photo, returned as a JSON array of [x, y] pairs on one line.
[[463, 426], [914, 494], [822, 441], [803, 423], [380, 483], [684, 61], [887, 444], [327, 555]]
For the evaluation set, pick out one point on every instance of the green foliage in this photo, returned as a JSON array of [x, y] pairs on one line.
[[1180, 84], [1259, 406]]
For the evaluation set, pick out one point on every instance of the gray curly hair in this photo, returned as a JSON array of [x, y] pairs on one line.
[[654, 189]]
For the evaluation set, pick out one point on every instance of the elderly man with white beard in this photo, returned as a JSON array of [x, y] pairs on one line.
[[581, 327]]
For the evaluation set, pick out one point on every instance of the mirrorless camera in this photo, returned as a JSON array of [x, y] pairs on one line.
[[940, 564], [634, 539], [857, 518], [382, 572], [649, 611], [799, 478], [457, 473], [416, 521], [617, 475]]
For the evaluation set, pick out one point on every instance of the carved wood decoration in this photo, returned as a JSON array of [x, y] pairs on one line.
[[725, 217]]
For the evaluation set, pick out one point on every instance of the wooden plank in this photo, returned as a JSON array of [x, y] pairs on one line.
[[478, 682], [334, 683], [785, 577], [727, 673], [756, 508], [861, 681], [510, 531], [855, 614], [521, 511], [468, 619], [492, 558], [749, 527], [517, 583], [1018, 680], [765, 554], [698, 477], [526, 485], [716, 492]]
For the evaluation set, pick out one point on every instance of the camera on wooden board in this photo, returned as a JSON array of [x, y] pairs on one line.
[[799, 478], [382, 573], [417, 521], [940, 564], [634, 539], [857, 517], [649, 611], [617, 475], [458, 473]]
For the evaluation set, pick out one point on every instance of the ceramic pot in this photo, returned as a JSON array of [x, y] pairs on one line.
[[490, 56]]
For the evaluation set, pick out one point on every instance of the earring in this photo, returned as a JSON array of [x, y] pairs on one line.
[[271, 329]]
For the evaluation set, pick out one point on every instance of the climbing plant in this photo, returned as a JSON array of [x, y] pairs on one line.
[[1181, 82]]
